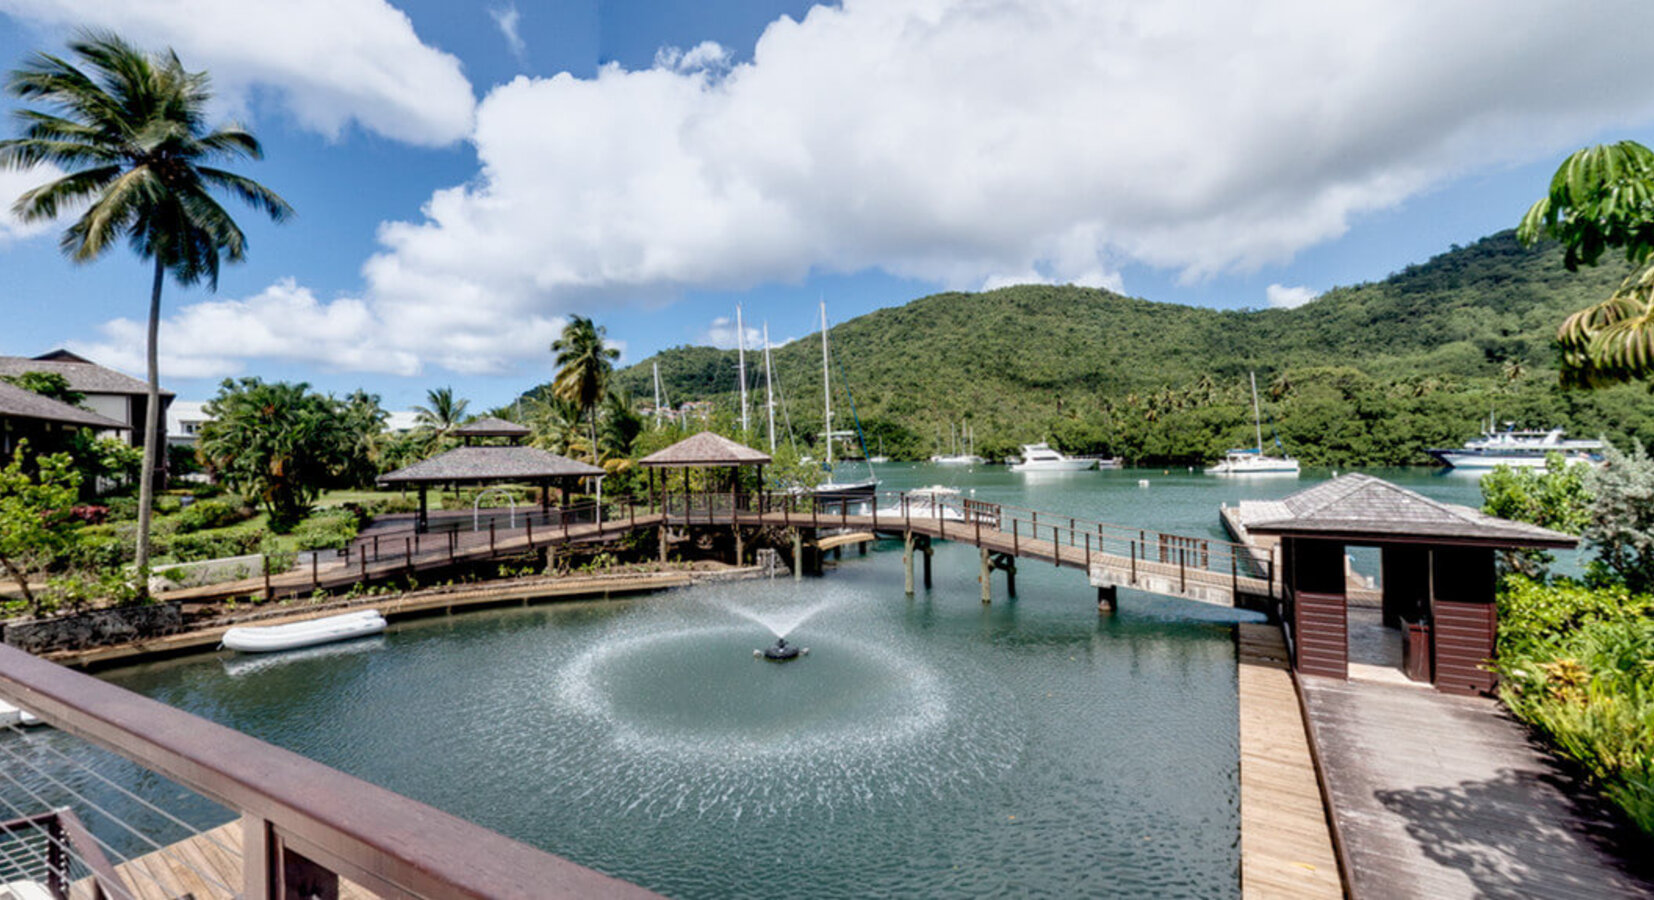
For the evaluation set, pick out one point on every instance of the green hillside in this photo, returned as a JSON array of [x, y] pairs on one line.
[[1367, 374]]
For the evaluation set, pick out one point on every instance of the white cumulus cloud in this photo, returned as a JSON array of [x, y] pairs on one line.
[[13, 184], [331, 61], [961, 142], [1282, 297], [722, 334]]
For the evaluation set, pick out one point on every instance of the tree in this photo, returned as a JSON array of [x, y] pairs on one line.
[[555, 423], [1555, 497], [621, 423], [130, 131], [1622, 516], [442, 412], [35, 518], [584, 362], [1602, 198], [362, 421], [277, 442]]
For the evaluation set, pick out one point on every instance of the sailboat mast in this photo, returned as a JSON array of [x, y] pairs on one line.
[[658, 412], [769, 389], [826, 389], [1257, 417], [741, 363]]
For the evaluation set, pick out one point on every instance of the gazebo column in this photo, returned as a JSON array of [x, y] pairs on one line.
[[545, 498], [1320, 628], [1464, 618], [423, 523]]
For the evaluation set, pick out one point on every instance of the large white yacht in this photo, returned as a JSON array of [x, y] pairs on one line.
[[1043, 458], [1524, 449]]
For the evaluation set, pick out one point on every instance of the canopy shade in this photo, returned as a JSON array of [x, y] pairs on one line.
[[705, 449], [1363, 509], [474, 464]]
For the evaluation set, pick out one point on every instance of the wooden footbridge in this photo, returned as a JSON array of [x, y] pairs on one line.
[[1196, 568]]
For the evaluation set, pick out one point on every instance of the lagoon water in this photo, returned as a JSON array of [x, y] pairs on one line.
[[927, 745]]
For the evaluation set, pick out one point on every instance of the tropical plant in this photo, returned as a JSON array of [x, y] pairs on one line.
[[584, 361], [1602, 198], [363, 421], [442, 412], [555, 424], [277, 442], [1622, 516], [1554, 497], [46, 384], [621, 423], [130, 131], [36, 521]]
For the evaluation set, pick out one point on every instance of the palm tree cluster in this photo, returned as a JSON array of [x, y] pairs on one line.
[[584, 363], [129, 129]]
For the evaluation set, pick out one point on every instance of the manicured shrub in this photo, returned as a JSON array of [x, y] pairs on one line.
[[206, 514], [332, 529]]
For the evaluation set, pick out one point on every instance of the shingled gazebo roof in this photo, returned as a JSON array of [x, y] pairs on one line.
[[491, 464], [1360, 507], [489, 426], [20, 403], [705, 449]]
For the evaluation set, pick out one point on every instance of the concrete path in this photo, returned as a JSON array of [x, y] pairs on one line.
[[1445, 797]]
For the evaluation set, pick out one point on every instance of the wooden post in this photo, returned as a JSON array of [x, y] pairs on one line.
[[928, 552], [1088, 553], [315, 579], [798, 554], [740, 545], [1016, 542], [1108, 598], [364, 560], [861, 548], [490, 537], [986, 577], [1011, 578], [267, 578], [907, 561], [376, 548], [529, 524], [1133, 562], [1182, 570], [661, 533]]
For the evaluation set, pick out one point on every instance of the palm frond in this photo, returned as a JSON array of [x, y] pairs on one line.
[[251, 192], [47, 201]]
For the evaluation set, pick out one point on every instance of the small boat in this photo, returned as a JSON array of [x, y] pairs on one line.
[[934, 502], [16, 715], [326, 630], [1043, 458], [1249, 461]]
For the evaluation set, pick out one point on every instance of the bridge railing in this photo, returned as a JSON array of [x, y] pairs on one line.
[[304, 825]]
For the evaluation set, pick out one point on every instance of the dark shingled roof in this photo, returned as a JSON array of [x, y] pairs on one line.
[[705, 449], [1352, 507], [488, 426], [19, 403], [86, 377], [491, 464]]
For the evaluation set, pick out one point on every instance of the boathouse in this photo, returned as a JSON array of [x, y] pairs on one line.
[[1437, 577]]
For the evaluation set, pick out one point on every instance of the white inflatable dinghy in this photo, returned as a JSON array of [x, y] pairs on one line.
[[270, 638]]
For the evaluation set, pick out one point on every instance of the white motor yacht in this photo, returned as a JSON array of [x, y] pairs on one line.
[[1044, 458]]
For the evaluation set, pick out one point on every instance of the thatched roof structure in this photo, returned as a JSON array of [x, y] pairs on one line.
[[474, 464], [705, 449], [1357, 508]]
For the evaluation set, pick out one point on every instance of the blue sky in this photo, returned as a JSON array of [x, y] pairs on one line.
[[468, 174]]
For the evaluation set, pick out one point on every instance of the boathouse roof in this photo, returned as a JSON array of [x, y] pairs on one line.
[[1356, 508], [463, 464], [489, 426], [705, 449], [18, 403]]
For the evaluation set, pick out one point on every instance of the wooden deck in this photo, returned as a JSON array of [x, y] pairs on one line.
[[1443, 797], [206, 866], [1286, 845]]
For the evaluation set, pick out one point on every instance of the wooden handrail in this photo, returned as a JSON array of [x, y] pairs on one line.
[[387, 843]]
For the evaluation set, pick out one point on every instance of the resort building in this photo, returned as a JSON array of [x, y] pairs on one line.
[[114, 396], [45, 423]]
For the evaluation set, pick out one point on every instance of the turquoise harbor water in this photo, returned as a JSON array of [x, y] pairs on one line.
[[927, 745]]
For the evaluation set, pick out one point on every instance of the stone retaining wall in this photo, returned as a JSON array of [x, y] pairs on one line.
[[95, 628]]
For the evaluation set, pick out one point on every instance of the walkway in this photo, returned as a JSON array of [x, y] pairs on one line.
[[206, 866], [1286, 847], [1441, 797]]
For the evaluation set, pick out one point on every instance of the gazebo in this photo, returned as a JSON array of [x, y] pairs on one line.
[[1437, 572], [703, 451], [491, 463]]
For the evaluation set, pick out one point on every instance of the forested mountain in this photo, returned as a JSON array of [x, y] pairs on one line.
[[1373, 373]]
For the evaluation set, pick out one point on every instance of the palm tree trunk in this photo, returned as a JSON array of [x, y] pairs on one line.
[[152, 433], [594, 434]]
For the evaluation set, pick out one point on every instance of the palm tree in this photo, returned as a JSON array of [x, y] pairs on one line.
[[584, 360], [555, 422], [130, 131], [442, 411]]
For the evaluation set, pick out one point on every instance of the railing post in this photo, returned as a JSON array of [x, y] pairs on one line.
[[1234, 576], [363, 558], [376, 548], [1088, 552], [1182, 569], [490, 537], [453, 541], [255, 856], [315, 579], [1016, 542], [563, 514], [407, 554], [529, 524], [1134, 562]]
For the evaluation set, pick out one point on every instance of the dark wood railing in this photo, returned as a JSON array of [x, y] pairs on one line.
[[299, 816]]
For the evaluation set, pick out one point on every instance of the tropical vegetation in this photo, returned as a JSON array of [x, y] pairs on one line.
[[129, 130], [584, 363], [1373, 374]]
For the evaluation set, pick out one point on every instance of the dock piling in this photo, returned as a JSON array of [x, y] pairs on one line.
[[907, 561], [987, 577]]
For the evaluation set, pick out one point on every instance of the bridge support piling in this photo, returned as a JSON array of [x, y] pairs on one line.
[[798, 554], [838, 552], [740, 545], [928, 552], [1108, 599], [907, 561], [987, 577], [661, 535], [861, 548]]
